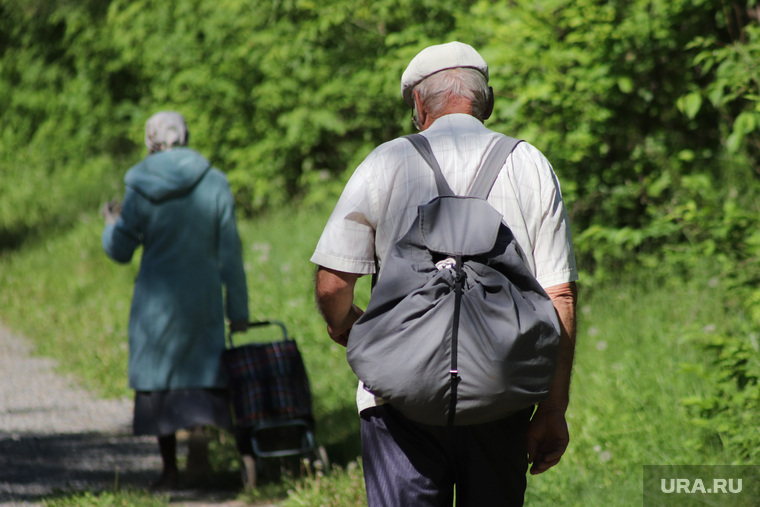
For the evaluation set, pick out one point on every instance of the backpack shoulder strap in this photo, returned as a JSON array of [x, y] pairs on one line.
[[422, 145], [489, 171]]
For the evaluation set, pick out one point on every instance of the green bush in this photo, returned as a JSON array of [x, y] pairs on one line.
[[633, 102], [611, 92], [731, 407]]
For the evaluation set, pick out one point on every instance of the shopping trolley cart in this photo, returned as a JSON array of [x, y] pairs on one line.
[[271, 397]]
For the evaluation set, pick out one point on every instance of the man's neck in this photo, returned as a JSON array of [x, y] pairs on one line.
[[455, 106]]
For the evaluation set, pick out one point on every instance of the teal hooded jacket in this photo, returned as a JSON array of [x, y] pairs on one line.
[[181, 211]]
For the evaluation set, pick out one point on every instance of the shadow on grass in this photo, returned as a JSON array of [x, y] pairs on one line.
[[338, 431]]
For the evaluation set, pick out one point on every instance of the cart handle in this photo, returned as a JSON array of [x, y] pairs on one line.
[[262, 323]]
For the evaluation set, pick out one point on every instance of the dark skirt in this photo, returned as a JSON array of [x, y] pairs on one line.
[[162, 413]]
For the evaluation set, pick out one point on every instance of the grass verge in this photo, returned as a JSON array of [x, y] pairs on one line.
[[634, 364]]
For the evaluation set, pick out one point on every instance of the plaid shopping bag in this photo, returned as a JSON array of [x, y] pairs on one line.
[[268, 382]]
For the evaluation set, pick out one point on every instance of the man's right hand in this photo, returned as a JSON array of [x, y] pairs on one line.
[[340, 336], [334, 294]]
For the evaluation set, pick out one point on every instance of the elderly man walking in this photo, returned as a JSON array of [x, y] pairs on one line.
[[406, 462]]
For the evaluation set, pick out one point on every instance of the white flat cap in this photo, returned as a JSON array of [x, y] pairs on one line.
[[434, 59]]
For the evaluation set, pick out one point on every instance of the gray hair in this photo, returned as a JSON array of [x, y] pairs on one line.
[[165, 130], [436, 90]]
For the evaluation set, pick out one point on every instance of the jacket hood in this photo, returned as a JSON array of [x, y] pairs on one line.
[[167, 174]]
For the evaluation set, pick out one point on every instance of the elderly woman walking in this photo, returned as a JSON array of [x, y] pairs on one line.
[[180, 210]]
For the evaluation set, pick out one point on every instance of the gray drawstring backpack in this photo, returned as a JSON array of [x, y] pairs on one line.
[[457, 330]]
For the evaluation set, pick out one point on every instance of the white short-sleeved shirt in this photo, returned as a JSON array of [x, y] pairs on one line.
[[379, 203]]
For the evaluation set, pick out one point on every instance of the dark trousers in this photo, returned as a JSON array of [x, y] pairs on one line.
[[411, 464]]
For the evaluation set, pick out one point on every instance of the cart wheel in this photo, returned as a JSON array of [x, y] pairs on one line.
[[323, 459], [317, 462], [248, 471]]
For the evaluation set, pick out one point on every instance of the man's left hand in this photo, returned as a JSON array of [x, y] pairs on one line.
[[548, 438]]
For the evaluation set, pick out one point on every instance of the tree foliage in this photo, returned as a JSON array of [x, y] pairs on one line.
[[648, 109], [611, 92]]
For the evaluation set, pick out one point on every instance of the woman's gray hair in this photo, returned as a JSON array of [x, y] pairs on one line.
[[436, 90], [165, 130]]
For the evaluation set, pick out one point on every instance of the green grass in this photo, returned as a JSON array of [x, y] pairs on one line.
[[633, 371], [132, 498], [632, 376]]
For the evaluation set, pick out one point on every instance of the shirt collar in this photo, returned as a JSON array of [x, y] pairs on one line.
[[458, 121]]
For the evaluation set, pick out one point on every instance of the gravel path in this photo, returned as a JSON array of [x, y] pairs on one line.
[[56, 437]]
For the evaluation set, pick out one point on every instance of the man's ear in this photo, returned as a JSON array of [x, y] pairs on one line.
[[419, 108], [489, 107]]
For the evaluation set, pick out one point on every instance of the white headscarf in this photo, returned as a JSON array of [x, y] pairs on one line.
[[165, 130]]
